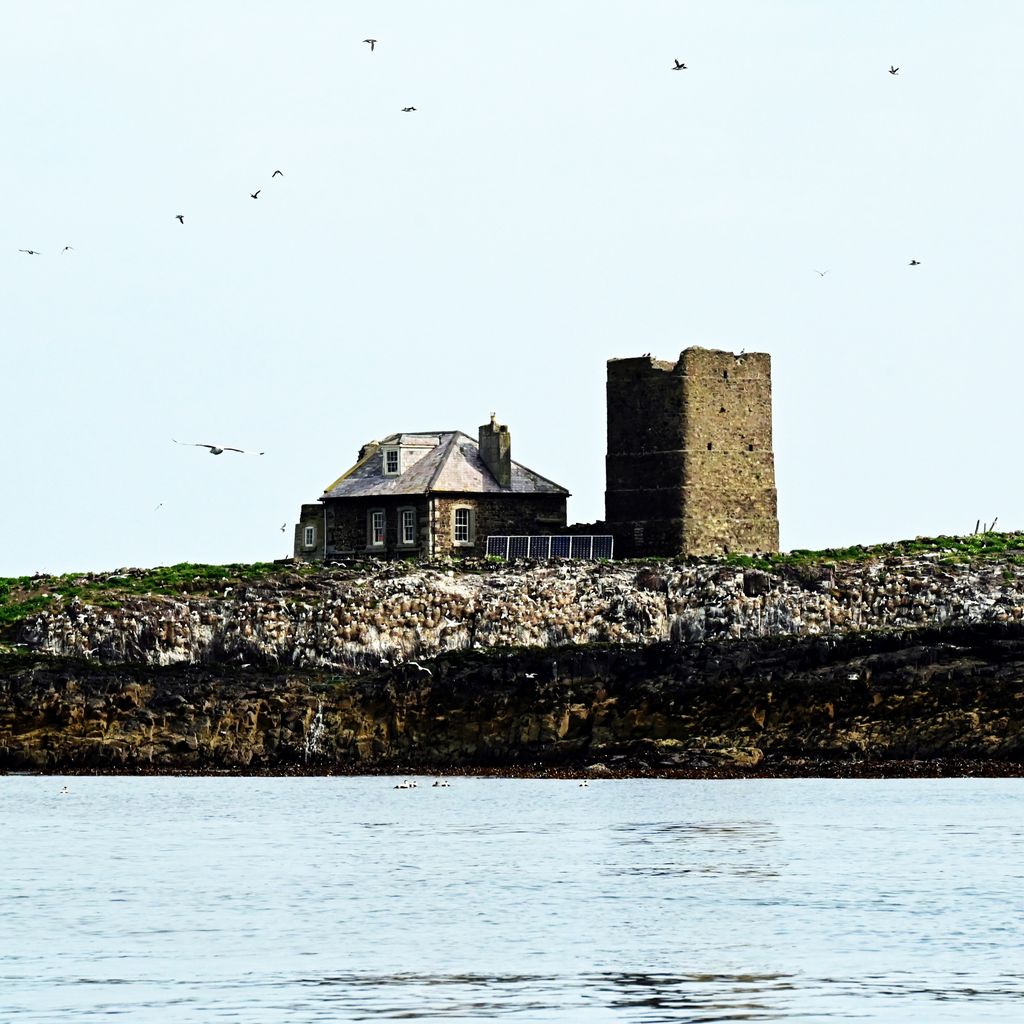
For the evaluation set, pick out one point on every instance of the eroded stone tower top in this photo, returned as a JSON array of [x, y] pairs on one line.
[[690, 468]]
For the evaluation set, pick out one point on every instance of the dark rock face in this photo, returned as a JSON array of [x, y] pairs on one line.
[[747, 705]]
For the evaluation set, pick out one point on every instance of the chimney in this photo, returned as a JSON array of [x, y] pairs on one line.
[[496, 451]]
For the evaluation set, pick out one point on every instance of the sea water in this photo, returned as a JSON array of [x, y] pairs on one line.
[[345, 899]]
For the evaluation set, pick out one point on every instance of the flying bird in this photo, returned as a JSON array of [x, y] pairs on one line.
[[180, 217], [679, 66], [31, 252], [67, 248], [256, 194], [215, 449], [276, 173], [372, 42], [284, 526], [914, 263], [893, 70], [406, 110], [821, 273]]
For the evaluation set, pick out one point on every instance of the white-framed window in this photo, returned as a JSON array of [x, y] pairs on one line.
[[407, 526], [309, 537], [462, 526], [392, 461], [377, 525]]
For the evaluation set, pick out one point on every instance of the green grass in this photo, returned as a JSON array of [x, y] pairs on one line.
[[1006, 547], [22, 596]]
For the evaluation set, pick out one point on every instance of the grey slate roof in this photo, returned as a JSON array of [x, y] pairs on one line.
[[451, 465]]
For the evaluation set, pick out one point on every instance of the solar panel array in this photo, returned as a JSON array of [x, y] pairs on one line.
[[586, 546]]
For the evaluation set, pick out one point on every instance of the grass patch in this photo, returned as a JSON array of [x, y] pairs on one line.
[[1006, 547]]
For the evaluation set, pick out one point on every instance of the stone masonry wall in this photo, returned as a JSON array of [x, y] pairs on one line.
[[690, 468], [729, 498]]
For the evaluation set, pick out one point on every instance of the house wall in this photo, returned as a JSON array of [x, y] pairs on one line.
[[348, 527], [348, 518], [496, 514], [690, 468], [309, 515]]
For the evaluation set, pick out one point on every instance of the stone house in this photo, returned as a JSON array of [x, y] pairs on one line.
[[429, 495]]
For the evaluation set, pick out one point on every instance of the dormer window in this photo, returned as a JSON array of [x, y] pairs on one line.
[[392, 462]]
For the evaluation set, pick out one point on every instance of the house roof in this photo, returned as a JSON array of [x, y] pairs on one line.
[[451, 464]]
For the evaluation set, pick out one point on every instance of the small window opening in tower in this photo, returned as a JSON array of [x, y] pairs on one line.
[[709, 446], [750, 447], [722, 409], [725, 375]]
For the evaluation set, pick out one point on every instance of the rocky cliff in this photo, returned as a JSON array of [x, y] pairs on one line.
[[821, 705], [356, 620], [669, 668]]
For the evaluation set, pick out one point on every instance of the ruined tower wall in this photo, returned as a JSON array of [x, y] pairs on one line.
[[690, 468], [729, 498]]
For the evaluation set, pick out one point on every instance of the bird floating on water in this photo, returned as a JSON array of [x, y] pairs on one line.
[[215, 449], [680, 66], [372, 42]]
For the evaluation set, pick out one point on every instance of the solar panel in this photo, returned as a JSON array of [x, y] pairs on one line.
[[559, 547], [497, 546], [582, 546], [518, 547], [540, 547]]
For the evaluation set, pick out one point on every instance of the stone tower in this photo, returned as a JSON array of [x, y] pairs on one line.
[[690, 468]]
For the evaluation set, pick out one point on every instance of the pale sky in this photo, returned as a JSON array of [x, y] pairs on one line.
[[559, 196]]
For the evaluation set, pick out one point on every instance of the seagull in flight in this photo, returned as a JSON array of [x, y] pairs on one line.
[[406, 110], [276, 173], [180, 217], [284, 526], [31, 252], [67, 248], [372, 42], [256, 194], [914, 263], [893, 70], [215, 449], [679, 66], [821, 273]]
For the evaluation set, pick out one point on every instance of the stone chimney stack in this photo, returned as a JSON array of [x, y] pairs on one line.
[[496, 450]]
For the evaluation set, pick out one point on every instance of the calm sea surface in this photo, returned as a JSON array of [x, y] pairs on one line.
[[293, 900]]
